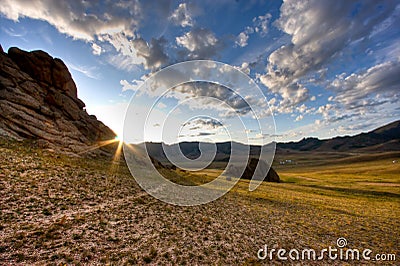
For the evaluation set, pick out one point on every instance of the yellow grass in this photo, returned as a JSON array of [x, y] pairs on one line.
[[60, 210]]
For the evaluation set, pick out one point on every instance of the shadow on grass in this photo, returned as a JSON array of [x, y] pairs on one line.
[[367, 193]]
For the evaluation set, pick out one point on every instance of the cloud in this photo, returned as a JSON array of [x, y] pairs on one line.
[[200, 43], [199, 134], [203, 123], [200, 126], [302, 108], [153, 53], [243, 37], [205, 134], [125, 47], [88, 71], [326, 110], [292, 95], [123, 62], [208, 93], [319, 30], [299, 118], [96, 49], [245, 68], [387, 23], [78, 19], [181, 16], [375, 86], [260, 26], [126, 86], [113, 22], [11, 32]]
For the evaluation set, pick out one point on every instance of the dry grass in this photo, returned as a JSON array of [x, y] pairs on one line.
[[56, 209]]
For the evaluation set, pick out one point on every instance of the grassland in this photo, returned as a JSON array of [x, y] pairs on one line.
[[61, 210]]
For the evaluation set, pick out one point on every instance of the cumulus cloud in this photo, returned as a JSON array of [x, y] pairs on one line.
[[208, 93], [319, 30], [200, 43], [260, 26], [326, 110], [242, 38], [375, 86], [96, 49], [153, 53], [245, 68], [181, 16], [136, 51], [114, 22], [75, 18], [123, 62], [133, 86], [292, 95], [299, 118]]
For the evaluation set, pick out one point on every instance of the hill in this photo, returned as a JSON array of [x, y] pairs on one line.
[[381, 140], [385, 138]]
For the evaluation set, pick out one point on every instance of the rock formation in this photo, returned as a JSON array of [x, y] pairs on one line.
[[38, 100], [251, 168]]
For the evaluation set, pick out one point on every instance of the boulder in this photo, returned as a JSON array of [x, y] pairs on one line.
[[255, 169]]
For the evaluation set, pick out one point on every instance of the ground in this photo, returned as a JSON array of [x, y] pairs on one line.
[[63, 210]]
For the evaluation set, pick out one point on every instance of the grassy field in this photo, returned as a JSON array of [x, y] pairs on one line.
[[57, 209]]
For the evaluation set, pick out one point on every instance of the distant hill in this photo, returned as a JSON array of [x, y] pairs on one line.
[[385, 138], [191, 150]]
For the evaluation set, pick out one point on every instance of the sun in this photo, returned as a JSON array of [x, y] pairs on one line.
[[117, 139]]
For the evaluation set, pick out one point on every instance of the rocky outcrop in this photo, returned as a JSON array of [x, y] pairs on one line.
[[251, 168], [38, 100]]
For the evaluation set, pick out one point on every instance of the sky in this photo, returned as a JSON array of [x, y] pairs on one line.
[[325, 68]]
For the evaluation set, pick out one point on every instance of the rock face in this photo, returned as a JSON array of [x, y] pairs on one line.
[[251, 167], [38, 100]]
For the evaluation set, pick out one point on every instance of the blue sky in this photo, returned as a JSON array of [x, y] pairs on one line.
[[326, 68]]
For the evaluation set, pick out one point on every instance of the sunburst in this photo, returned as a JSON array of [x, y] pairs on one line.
[[98, 145]]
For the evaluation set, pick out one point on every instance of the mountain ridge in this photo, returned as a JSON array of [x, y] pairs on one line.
[[361, 142], [382, 139]]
